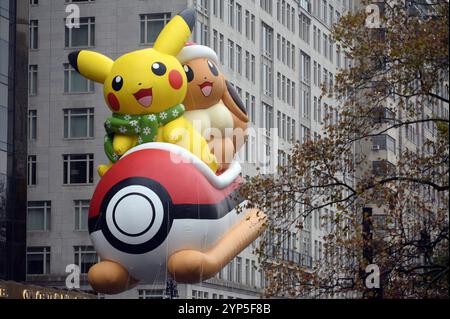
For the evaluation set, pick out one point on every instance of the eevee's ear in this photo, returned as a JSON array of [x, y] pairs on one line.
[[92, 65], [175, 34]]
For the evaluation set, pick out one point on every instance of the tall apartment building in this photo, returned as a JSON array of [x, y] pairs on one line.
[[13, 141], [275, 52]]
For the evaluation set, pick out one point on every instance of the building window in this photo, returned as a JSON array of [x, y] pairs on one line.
[[293, 95], [151, 25], [78, 169], [253, 275], [31, 170], [266, 5], [382, 168], [267, 40], [410, 132], [319, 41], [151, 294], [214, 6], [330, 15], [239, 17], [38, 260], [34, 2], [253, 68], [252, 28], [231, 13], [81, 214], [238, 269], [32, 124], [85, 257], [293, 135], [79, 123], [201, 33], [74, 82], [292, 20], [38, 216], [267, 117], [32, 79], [34, 33], [230, 276], [338, 56], [203, 6], [323, 10], [221, 9], [267, 78], [279, 125], [252, 113], [306, 68], [231, 54], [383, 142], [221, 48], [238, 59], [247, 271], [247, 24], [84, 36], [305, 26], [305, 103], [247, 65], [215, 41], [288, 16]]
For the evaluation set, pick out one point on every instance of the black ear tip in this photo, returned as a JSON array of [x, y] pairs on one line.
[[189, 15], [235, 97], [73, 58]]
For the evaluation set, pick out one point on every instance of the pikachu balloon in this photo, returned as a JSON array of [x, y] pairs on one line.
[[144, 89]]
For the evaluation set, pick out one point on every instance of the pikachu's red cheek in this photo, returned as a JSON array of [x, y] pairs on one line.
[[175, 79], [113, 102]]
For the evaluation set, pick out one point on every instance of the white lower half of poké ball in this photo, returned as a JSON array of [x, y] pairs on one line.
[[184, 234], [153, 203]]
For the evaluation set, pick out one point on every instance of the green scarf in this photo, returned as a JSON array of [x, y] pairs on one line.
[[145, 126]]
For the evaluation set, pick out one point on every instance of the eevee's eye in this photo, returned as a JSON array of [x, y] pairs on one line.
[[117, 83], [189, 72], [213, 68], [158, 68]]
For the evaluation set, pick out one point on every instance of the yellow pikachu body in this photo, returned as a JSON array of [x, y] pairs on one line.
[[148, 81]]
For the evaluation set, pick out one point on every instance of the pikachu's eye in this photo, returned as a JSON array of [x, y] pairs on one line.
[[189, 72], [213, 68], [117, 83], [158, 68]]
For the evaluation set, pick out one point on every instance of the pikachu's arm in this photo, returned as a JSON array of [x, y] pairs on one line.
[[174, 131], [181, 132], [122, 143]]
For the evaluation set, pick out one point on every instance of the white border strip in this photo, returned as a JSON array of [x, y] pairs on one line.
[[220, 182]]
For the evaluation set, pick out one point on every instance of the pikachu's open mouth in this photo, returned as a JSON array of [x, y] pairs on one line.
[[144, 97]]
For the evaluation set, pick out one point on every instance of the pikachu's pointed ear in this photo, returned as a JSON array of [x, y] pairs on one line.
[[92, 65], [175, 34]]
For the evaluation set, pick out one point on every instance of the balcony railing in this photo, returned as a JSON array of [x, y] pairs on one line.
[[288, 255]]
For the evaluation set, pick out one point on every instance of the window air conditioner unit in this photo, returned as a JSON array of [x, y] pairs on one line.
[[376, 147]]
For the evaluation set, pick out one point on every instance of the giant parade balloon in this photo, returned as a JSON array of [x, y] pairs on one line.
[[166, 202]]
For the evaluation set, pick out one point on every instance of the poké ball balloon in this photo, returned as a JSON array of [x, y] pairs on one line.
[[160, 212]]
